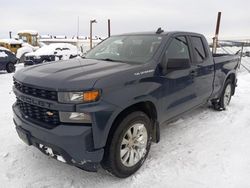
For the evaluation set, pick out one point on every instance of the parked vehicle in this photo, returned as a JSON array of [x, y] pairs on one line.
[[247, 54], [7, 60], [25, 42], [106, 108], [51, 52], [11, 44], [29, 36]]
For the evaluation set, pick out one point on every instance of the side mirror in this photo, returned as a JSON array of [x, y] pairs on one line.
[[178, 64], [170, 64]]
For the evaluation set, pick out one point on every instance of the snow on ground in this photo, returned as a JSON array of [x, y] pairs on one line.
[[205, 148]]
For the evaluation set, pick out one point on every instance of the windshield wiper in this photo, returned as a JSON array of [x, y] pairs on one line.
[[108, 59], [112, 60]]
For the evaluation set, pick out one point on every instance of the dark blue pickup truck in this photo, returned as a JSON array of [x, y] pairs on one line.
[[107, 107]]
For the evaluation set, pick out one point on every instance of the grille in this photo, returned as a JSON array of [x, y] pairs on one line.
[[29, 58], [39, 114], [41, 93]]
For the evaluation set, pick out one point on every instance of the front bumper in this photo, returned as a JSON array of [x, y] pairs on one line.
[[72, 143]]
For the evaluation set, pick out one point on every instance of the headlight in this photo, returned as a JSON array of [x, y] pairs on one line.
[[74, 117], [79, 97]]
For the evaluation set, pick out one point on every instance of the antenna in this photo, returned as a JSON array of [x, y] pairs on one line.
[[159, 31]]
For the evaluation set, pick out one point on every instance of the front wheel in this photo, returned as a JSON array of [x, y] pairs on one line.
[[129, 145], [225, 96], [10, 67]]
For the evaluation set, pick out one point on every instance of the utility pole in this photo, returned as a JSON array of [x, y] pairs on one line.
[[90, 37], [215, 39], [108, 27], [77, 27], [241, 53], [10, 34]]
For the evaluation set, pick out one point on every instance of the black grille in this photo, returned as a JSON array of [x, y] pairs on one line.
[[47, 118], [40, 93], [29, 58]]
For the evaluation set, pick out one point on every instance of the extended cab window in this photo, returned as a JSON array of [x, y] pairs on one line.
[[178, 49], [198, 49]]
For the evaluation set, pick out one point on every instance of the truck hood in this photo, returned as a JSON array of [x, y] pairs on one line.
[[69, 75]]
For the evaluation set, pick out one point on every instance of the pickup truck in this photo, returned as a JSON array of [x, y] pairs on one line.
[[105, 109]]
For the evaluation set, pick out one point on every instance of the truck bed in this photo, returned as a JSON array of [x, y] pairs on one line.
[[218, 58]]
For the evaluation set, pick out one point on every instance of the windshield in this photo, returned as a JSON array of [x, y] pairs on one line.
[[134, 49]]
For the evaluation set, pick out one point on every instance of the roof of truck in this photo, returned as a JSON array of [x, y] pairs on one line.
[[163, 33]]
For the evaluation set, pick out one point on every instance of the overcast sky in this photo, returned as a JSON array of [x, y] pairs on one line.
[[59, 17]]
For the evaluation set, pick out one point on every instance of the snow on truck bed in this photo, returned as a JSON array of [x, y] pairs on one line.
[[204, 148]]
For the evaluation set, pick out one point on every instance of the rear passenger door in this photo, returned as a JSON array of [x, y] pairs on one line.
[[202, 69]]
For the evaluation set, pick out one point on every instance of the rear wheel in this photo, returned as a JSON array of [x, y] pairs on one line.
[[225, 96], [129, 145], [10, 67]]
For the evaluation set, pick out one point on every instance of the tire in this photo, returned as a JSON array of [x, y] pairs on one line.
[[10, 67], [120, 148], [225, 96]]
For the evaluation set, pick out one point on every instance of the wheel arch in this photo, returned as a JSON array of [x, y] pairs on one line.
[[148, 108], [232, 77]]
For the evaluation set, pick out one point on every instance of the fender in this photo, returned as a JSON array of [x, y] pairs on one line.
[[104, 132], [224, 81]]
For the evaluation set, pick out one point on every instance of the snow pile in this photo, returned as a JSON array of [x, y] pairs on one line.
[[60, 48], [34, 48], [4, 49], [32, 32], [83, 44], [204, 148], [23, 50], [10, 41], [3, 54]]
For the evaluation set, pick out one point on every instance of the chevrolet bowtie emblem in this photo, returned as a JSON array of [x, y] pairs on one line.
[[49, 113]]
